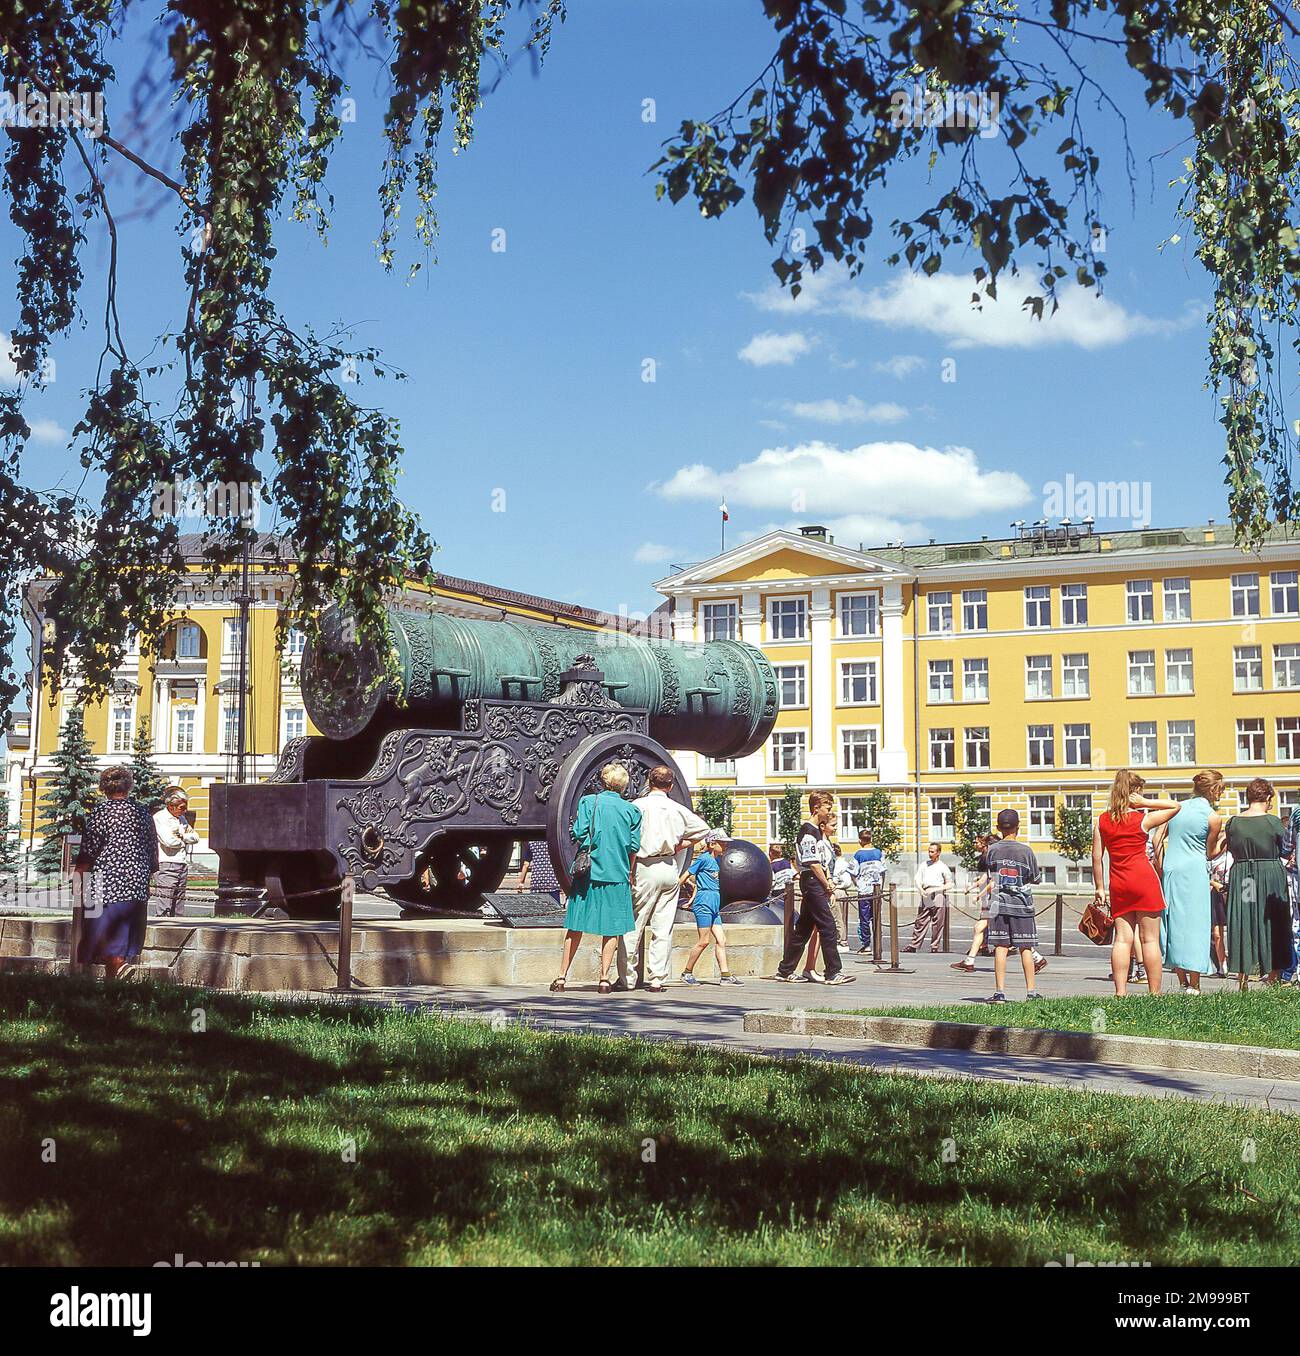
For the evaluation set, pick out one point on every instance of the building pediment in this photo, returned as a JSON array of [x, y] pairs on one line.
[[779, 557]]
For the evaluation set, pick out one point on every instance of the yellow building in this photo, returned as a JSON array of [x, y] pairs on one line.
[[189, 692], [1031, 668]]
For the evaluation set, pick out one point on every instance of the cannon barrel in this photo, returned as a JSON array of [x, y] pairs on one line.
[[718, 698]]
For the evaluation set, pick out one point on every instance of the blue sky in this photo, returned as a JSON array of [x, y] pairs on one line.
[[526, 365]]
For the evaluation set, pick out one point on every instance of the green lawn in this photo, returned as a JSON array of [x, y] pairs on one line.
[[476, 1145], [1268, 1017]]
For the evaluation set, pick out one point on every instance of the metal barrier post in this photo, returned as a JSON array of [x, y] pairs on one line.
[[345, 933], [947, 920], [78, 920], [893, 926], [876, 920], [1060, 909], [788, 918]]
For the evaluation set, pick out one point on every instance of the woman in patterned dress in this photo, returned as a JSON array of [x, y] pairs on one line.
[[1136, 901], [120, 848]]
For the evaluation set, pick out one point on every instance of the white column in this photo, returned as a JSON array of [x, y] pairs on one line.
[[821, 688], [893, 754], [683, 618], [752, 769]]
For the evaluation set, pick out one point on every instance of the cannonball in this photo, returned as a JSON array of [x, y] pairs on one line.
[[744, 872]]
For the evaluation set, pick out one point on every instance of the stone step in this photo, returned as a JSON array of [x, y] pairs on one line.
[[45, 965]]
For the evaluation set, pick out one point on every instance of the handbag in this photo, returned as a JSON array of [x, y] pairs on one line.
[[1096, 924], [581, 864]]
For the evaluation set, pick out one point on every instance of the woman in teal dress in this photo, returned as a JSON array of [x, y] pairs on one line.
[[601, 902], [1259, 919], [1185, 923]]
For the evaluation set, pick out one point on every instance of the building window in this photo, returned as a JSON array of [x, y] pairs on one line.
[[1074, 675], [940, 680], [850, 807], [1245, 595], [1141, 673], [295, 722], [1042, 746], [858, 750], [230, 637], [295, 642], [858, 614], [1139, 600], [1042, 817], [1074, 604], [787, 618], [183, 729], [719, 621], [230, 727], [975, 680], [1286, 665], [790, 679], [1286, 592], [788, 749], [1142, 751], [1178, 599], [123, 727], [1248, 667], [943, 749], [977, 746], [718, 767], [1181, 736], [1038, 676], [774, 822], [975, 610], [1079, 875], [939, 607], [858, 682], [1178, 671], [1250, 740], [1038, 605], [1287, 800], [1078, 745], [188, 641], [941, 818], [1288, 739]]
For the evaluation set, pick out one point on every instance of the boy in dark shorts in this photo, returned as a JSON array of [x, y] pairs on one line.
[[1013, 868]]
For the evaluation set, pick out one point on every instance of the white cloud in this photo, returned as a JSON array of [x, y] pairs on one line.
[[850, 411], [47, 431], [8, 368], [941, 305], [766, 349], [815, 482], [656, 553], [901, 365]]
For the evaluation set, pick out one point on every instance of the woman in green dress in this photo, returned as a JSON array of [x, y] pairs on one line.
[[601, 902], [1259, 918]]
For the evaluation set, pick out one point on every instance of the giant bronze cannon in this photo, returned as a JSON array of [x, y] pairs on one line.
[[489, 733]]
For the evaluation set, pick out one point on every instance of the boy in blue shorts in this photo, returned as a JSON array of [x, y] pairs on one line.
[[707, 908]]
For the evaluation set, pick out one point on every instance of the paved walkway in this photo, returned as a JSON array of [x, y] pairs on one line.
[[711, 1014]]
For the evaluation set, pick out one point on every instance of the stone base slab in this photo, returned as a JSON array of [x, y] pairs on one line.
[[264, 955], [1145, 1052]]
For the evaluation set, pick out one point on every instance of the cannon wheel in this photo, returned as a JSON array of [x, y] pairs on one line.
[[454, 872], [580, 776]]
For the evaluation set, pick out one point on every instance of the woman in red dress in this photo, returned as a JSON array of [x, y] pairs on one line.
[[1136, 900]]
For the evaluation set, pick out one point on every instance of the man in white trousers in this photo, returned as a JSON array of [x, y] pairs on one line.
[[666, 829]]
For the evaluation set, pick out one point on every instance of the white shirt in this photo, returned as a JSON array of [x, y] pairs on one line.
[[932, 877], [665, 823], [174, 835]]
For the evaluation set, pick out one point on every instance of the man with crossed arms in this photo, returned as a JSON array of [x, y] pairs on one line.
[[666, 828]]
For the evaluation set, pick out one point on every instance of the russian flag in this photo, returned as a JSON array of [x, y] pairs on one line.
[[722, 508]]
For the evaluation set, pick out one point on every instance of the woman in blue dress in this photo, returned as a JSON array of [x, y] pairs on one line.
[[601, 901], [1185, 923]]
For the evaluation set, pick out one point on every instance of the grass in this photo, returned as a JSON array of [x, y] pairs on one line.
[[514, 1146], [1264, 1016]]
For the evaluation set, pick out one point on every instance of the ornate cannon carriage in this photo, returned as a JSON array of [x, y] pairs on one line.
[[491, 733]]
